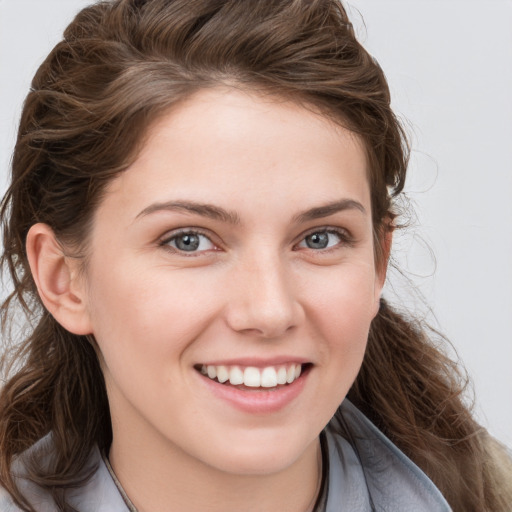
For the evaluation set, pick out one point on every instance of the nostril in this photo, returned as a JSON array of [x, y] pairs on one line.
[[263, 302]]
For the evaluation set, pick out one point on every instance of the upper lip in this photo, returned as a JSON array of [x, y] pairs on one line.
[[257, 362]]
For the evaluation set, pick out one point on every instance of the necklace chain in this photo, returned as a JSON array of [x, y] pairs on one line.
[[132, 508], [129, 504]]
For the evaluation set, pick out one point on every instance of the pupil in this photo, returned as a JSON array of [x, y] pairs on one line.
[[317, 240], [187, 242]]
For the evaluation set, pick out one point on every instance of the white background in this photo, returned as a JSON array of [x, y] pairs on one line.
[[449, 64]]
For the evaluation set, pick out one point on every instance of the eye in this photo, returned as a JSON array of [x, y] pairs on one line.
[[324, 239], [189, 241]]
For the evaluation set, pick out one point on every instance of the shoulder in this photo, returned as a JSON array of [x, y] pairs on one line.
[[19, 470], [390, 481], [98, 494], [6, 503]]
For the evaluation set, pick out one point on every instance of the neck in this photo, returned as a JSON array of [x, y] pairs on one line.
[[153, 477]]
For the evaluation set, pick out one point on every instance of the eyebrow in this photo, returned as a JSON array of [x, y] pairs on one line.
[[231, 217], [329, 209], [203, 209]]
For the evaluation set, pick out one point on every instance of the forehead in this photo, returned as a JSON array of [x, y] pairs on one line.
[[227, 142], [233, 112]]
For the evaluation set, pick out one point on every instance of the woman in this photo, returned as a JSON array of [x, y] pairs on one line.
[[198, 228]]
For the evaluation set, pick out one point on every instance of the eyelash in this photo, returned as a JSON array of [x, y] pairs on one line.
[[345, 240], [165, 243]]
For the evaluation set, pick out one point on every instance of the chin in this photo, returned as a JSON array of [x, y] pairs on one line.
[[262, 455]]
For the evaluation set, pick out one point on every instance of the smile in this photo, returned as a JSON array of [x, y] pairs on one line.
[[253, 377], [260, 388]]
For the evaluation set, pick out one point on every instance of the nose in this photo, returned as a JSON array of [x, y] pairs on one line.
[[263, 299]]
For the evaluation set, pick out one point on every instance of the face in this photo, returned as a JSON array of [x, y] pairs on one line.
[[234, 254]]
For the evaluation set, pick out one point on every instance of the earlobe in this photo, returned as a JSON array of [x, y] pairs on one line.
[[57, 279]]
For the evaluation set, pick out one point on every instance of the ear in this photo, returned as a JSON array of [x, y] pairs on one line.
[[384, 251], [58, 280]]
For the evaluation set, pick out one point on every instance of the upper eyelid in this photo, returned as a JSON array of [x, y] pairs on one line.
[[170, 235], [325, 229]]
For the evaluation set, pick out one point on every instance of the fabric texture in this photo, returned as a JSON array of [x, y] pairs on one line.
[[363, 472], [367, 472]]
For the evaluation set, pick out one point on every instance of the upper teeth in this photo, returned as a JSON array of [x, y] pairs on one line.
[[253, 377]]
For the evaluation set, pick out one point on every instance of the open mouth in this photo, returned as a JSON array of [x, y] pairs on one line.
[[251, 377]]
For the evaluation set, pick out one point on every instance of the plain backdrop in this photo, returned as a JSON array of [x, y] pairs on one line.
[[449, 65]]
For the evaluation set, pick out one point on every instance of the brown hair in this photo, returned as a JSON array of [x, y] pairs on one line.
[[121, 64]]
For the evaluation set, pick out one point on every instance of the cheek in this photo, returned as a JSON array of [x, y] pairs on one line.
[[344, 301], [147, 314], [341, 311]]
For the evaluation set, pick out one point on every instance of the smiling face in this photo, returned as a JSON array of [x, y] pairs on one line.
[[238, 248]]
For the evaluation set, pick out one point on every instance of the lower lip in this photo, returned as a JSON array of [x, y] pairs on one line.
[[259, 400]]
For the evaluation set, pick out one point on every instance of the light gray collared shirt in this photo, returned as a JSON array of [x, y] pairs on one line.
[[365, 472]]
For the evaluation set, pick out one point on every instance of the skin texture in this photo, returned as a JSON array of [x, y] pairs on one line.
[[254, 290]]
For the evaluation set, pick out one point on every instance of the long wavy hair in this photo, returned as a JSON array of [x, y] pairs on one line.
[[120, 65]]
